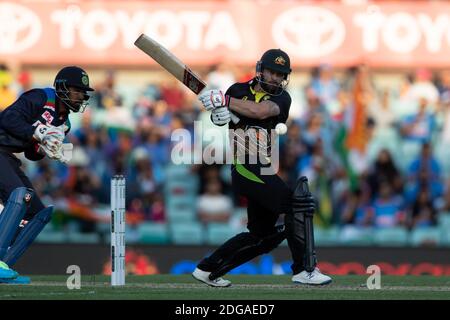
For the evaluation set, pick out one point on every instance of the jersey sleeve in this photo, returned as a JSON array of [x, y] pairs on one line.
[[284, 103], [18, 118], [232, 91]]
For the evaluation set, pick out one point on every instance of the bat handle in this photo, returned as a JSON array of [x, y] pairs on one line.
[[234, 118]]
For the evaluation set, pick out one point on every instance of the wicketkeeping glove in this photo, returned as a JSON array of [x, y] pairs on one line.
[[66, 152], [50, 136], [40, 132], [212, 99], [49, 152], [62, 154]]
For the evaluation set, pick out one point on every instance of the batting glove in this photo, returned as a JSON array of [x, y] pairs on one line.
[[220, 116], [212, 99]]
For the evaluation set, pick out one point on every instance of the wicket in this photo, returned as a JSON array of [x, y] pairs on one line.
[[118, 230]]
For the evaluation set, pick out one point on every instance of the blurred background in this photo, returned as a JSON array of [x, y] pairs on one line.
[[369, 126]]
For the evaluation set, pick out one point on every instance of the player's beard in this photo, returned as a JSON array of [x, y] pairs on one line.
[[269, 87]]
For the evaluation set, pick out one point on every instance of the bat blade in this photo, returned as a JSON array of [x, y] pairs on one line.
[[173, 65], [170, 62]]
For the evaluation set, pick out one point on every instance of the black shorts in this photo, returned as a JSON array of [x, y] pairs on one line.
[[268, 196]]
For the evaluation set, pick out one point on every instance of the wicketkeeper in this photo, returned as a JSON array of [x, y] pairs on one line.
[[35, 124], [261, 104]]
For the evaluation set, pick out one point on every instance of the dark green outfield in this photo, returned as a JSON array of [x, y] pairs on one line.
[[184, 287]]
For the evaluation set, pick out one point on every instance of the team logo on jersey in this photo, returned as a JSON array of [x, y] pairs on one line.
[[47, 116], [280, 60]]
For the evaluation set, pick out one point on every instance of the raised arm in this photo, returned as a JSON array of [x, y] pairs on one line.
[[214, 99], [251, 109]]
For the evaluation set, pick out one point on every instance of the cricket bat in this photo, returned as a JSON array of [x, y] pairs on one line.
[[173, 65]]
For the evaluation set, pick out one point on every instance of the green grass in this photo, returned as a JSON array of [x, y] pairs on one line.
[[184, 287]]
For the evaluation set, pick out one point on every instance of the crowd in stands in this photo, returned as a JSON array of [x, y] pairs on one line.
[[375, 155]]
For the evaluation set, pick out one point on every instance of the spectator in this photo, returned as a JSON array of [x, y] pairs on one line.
[[118, 150], [143, 107], [213, 206], [425, 171], [82, 187], [423, 88], [220, 77], [360, 126], [445, 114], [359, 158], [316, 130], [442, 203], [403, 104], [356, 210], [326, 86], [292, 149], [385, 170], [422, 213], [157, 147], [387, 207], [315, 106], [172, 94], [188, 114], [444, 83], [106, 95], [209, 173], [161, 115], [419, 127], [7, 94], [136, 212], [143, 187], [25, 81], [339, 111], [320, 170], [157, 208], [380, 111]]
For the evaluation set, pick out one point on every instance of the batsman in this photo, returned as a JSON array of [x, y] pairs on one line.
[[260, 105], [35, 124]]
